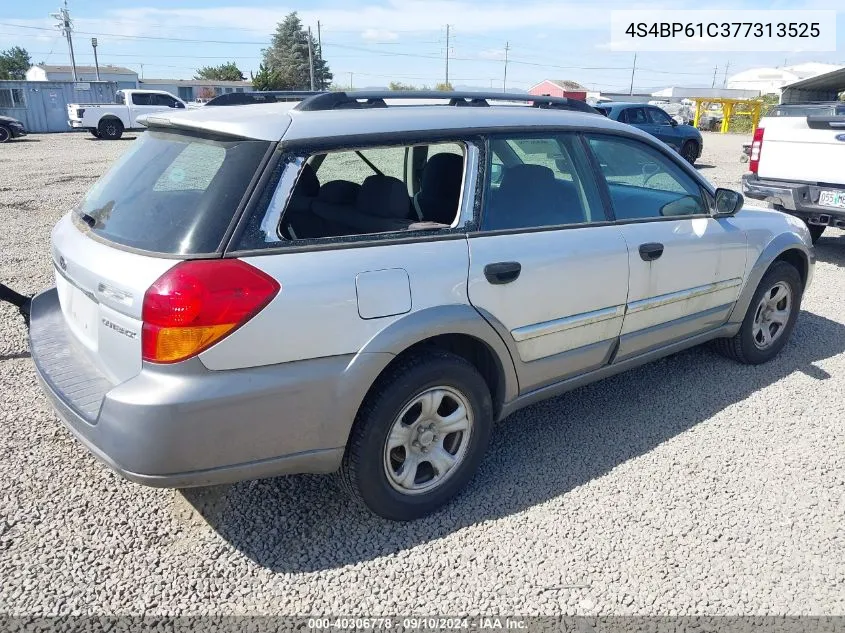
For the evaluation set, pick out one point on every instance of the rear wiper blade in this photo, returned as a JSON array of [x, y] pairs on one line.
[[90, 220]]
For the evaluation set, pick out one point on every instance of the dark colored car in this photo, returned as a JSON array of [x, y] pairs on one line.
[[684, 139], [10, 128]]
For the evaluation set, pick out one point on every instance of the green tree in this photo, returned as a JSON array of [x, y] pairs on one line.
[[398, 85], [285, 64], [224, 72], [444, 87], [14, 62]]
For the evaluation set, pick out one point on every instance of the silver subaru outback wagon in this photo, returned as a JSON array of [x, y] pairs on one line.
[[365, 284]]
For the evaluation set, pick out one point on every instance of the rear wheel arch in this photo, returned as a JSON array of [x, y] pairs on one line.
[[457, 329]]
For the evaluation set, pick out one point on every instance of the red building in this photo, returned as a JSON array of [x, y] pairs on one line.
[[560, 88]]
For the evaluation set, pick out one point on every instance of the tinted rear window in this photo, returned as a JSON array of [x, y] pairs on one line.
[[172, 193]]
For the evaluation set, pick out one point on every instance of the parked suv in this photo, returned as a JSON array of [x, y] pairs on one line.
[[355, 285]]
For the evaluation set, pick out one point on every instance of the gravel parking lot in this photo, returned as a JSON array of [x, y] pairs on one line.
[[692, 485]]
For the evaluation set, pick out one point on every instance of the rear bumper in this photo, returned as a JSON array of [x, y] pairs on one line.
[[800, 199], [183, 425], [76, 124]]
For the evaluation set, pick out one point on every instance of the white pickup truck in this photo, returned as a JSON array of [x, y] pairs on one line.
[[797, 163], [109, 120]]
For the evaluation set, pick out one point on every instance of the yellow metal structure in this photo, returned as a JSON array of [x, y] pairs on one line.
[[750, 107]]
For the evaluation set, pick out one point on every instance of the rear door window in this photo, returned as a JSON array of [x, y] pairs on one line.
[[636, 116], [172, 193], [543, 181]]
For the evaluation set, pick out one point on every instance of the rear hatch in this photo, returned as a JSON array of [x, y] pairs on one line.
[[172, 196], [804, 146]]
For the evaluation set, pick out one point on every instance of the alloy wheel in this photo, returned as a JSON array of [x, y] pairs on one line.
[[428, 440], [772, 315]]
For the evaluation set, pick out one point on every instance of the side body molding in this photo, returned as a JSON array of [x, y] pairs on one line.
[[447, 319], [775, 248]]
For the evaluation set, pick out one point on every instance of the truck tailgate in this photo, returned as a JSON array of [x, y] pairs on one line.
[[806, 149]]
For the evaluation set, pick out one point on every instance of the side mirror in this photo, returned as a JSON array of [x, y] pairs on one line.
[[728, 202]]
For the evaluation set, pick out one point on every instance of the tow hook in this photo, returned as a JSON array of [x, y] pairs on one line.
[[22, 302]]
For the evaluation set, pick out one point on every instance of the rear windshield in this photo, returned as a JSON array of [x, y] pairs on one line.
[[173, 193], [810, 109]]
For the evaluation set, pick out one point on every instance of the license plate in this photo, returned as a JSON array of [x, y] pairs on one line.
[[81, 313], [835, 199]]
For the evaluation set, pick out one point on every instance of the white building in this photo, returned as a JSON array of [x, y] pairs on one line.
[[771, 80], [123, 77], [191, 89]]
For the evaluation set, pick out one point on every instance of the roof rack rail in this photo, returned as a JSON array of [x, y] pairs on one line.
[[377, 99], [261, 96]]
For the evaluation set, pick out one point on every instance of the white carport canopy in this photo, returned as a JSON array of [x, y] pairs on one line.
[[824, 87]]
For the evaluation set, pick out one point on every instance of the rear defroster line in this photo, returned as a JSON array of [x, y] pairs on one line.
[[20, 301]]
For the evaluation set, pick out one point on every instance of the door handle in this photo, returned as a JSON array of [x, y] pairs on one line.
[[502, 272], [651, 251]]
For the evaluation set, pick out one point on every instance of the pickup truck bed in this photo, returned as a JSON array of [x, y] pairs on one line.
[[796, 163]]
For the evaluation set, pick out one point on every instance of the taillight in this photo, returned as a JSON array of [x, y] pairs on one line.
[[756, 150], [197, 303], [80, 112]]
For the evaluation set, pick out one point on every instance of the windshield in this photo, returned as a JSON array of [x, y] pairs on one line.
[[173, 193]]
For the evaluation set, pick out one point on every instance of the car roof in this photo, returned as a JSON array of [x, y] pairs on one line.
[[274, 121]]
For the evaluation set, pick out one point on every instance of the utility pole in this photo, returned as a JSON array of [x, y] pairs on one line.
[[96, 63], [715, 70], [311, 57], [320, 50], [142, 71], [505, 78], [447, 54], [350, 82], [66, 26], [725, 82], [633, 70]]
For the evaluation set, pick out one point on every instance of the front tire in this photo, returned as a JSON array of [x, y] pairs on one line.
[[419, 436], [111, 129], [689, 152], [770, 318]]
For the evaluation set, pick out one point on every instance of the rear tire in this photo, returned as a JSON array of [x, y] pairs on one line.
[[816, 231], [5, 134], [689, 152], [769, 321], [411, 448], [94, 132], [111, 129]]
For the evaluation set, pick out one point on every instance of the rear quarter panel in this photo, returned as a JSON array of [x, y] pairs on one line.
[[319, 310]]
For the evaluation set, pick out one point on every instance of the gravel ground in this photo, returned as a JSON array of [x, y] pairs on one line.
[[692, 485]]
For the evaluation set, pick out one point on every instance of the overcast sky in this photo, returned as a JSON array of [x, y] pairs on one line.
[[380, 41]]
